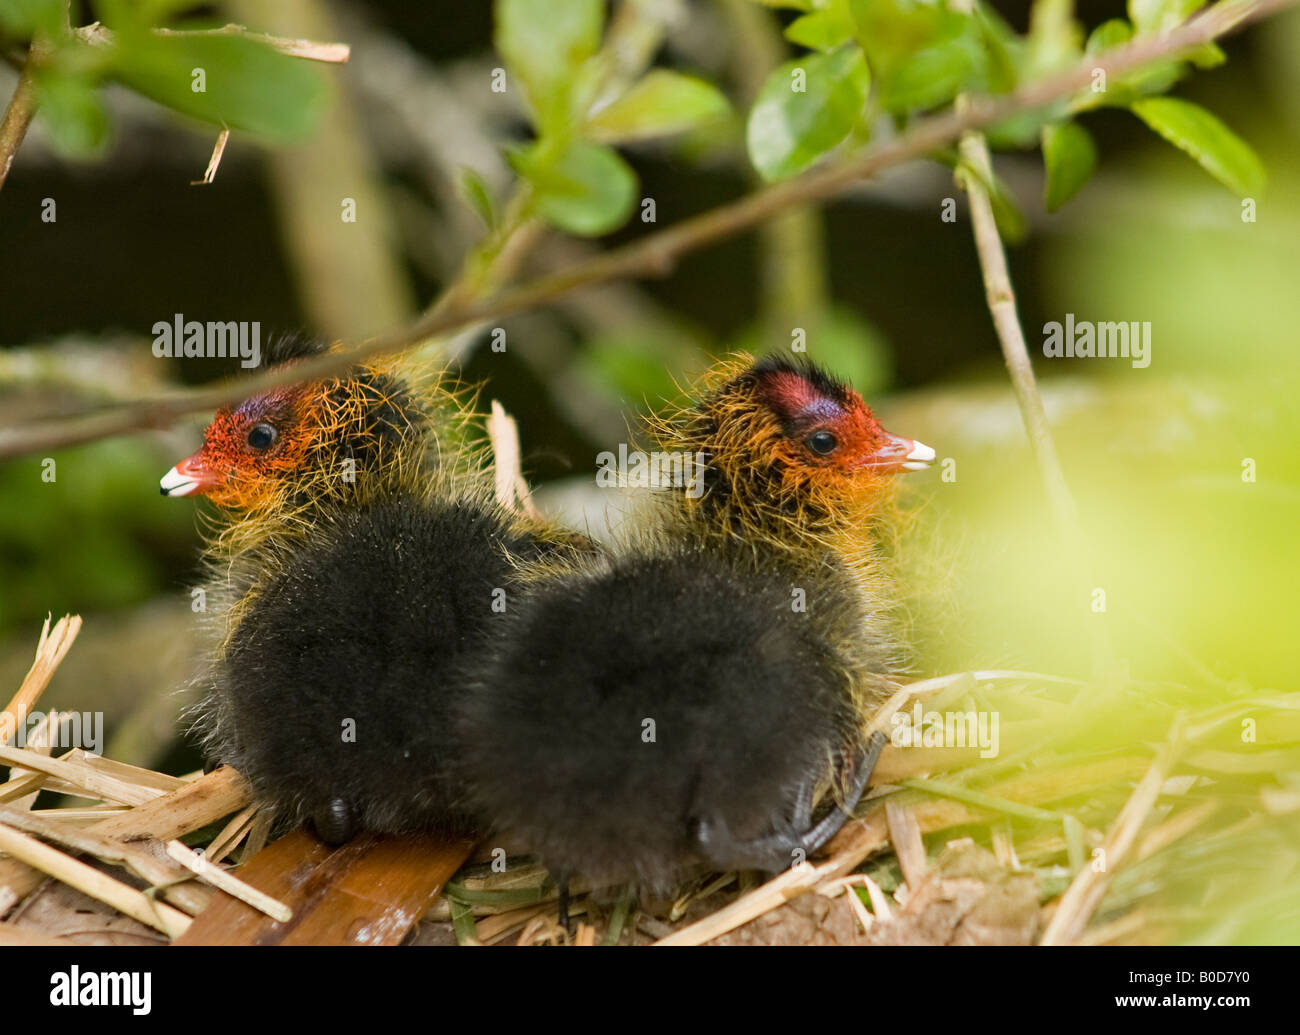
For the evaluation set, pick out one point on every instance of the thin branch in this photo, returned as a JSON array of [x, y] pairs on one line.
[[657, 253], [1001, 298], [18, 116], [218, 149]]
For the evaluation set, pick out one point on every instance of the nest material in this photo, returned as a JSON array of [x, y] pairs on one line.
[[121, 848]]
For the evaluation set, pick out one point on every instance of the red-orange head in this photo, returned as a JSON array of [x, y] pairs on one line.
[[250, 450], [826, 430], [790, 454]]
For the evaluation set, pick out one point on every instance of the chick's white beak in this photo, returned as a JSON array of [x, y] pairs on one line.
[[191, 475], [919, 458], [174, 483], [899, 453]]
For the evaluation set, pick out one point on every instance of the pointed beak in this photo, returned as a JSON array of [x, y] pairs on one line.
[[191, 475], [902, 454]]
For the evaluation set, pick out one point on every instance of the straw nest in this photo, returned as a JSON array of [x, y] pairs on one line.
[[1143, 844]]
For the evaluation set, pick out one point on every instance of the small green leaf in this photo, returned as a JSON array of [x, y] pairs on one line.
[[544, 43], [224, 80], [1001, 46], [1155, 78], [474, 192], [1055, 38], [1109, 34], [890, 30], [804, 109], [1219, 150], [1207, 55], [1025, 129], [72, 112], [933, 75], [1070, 157], [823, 30], [1012, 226], [587, 189], [663, 102]]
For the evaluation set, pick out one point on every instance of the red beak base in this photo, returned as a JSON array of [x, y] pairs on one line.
[[188, 477]]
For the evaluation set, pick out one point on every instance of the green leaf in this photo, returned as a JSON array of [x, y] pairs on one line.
[[923, 54], [791, 128], [663, 102], [1025, 129], [890, 30], [1150, 79], [1012, 226], [1001, 45], [474, 192], [26, 18], [1070, 157], [796, 5], [245, 85], [933, 75], [1219, 150], [543, 43], [72, 112], [1055, 38], [823, 30], [1207, 55], [586, 189], [1109, 34]]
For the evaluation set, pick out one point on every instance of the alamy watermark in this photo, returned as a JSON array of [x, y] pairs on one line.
[[635, 469], [921, 728], [130, 988], [83, 730], [1084, 339], [216, 339]]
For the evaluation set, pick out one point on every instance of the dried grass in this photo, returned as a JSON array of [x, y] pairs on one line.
[[1108, 836]]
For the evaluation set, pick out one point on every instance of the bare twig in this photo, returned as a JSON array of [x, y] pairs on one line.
[[657, 253], [511, 488], [172, 922], [18, 116], [1001, 298], [51, 649], [227, 882], [218, 149]]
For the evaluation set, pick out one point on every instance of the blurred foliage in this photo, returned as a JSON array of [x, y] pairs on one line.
[[96, 537], [917, 56], [224, 80]]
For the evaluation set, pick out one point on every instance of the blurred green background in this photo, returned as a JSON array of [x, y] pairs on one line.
[[1199, 566]]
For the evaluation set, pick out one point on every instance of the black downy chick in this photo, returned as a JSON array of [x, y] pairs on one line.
[[685, 702], [334, 690], [340, 606]]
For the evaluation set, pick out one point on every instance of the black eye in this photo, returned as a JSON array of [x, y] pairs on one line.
[[262, 436], [823, 443]]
